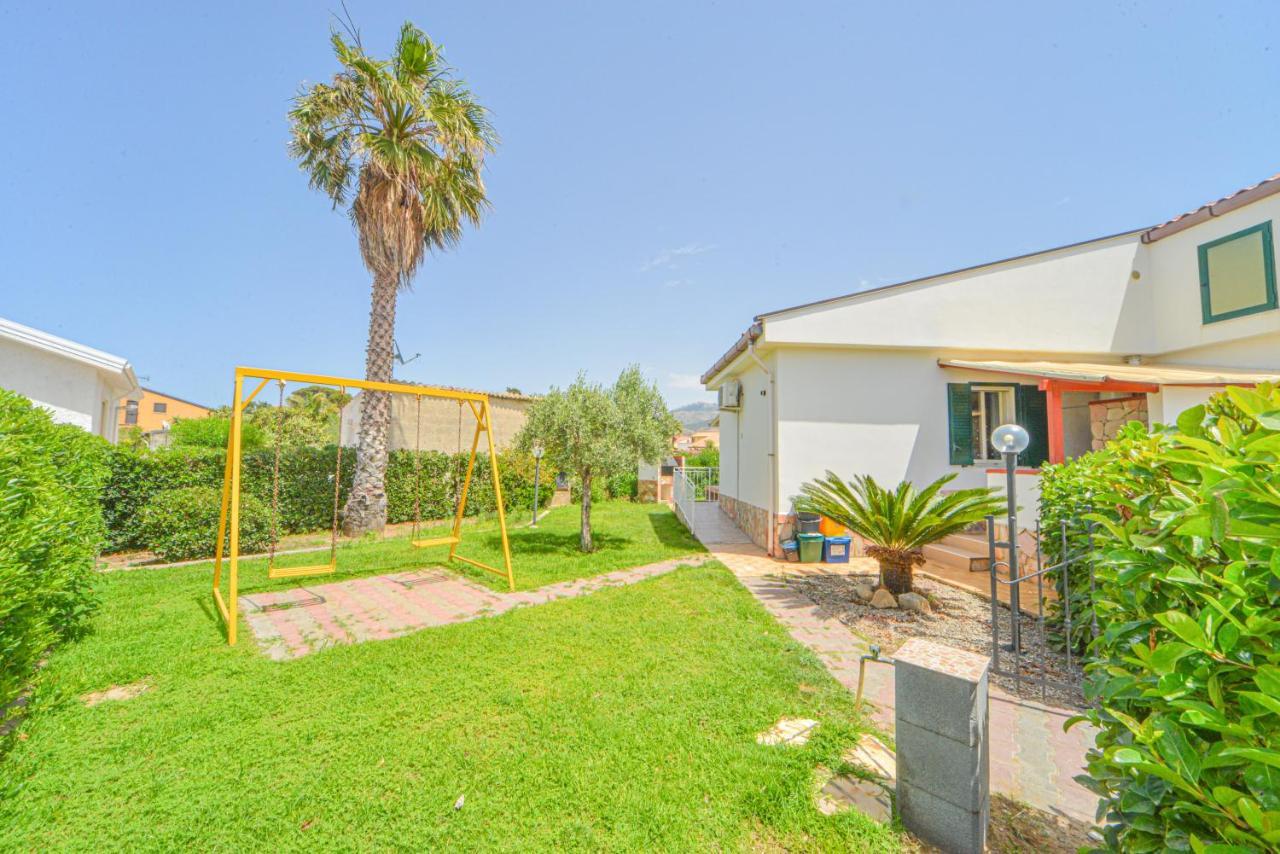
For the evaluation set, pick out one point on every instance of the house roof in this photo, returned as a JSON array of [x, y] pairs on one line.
[[114, 366], [1096, 372], [1238, 199], [159, 393]]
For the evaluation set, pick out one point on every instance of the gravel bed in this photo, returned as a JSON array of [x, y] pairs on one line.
[[959, 619]]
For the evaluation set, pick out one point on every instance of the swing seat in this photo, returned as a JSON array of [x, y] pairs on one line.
[[298, 571], [436, 541]]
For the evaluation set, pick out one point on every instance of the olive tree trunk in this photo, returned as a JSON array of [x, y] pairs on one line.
[[366, 508], [587, 544]]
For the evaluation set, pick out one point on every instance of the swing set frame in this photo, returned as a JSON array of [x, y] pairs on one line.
[[229, 514]]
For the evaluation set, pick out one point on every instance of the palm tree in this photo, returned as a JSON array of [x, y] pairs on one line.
[[898, 524], [404, 142]]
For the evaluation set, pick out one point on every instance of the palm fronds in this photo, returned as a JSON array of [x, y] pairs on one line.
[[407, 137], [903, 520]]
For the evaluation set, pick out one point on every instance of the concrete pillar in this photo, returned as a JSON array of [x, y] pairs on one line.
[[940, 700]]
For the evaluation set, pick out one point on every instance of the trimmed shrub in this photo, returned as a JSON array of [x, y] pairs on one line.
[[212, 432], [306, 484], [182, 524], [1186, 671], [623, 485], [51, 531]]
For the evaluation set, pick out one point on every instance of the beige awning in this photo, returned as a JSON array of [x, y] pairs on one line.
[[1097, 372]]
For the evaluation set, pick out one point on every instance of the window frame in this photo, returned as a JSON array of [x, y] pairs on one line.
[[1268, 270], [130, 413], [1007, 390], [159, 407]]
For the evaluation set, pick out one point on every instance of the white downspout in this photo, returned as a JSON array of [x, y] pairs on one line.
[[772, 534]]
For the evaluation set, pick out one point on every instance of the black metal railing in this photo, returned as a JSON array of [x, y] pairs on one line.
[[1059, 574]]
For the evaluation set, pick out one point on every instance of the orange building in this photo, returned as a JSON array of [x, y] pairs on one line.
[[155, 410]]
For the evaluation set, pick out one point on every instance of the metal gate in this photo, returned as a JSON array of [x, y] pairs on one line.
[[691, 486], [1007, 658]]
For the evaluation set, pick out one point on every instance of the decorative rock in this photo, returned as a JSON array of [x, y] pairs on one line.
[[915, 602], [792, 731], [883, 599], [864, 592]]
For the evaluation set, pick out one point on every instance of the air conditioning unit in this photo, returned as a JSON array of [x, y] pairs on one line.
[[731, 395]]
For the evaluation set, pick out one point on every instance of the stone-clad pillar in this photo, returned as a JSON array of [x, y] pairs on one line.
[[941, 732]]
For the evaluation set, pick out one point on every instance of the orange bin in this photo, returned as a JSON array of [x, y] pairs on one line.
[[831, 529]]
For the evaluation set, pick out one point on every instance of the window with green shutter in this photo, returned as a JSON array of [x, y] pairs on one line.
[[1237, 274], [960, 418], [974, 410]]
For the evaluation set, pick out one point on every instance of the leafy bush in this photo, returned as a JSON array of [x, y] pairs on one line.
[[50, 533], [1186, 672], [138, 474], [1069, 492], [212, 432], [306, 484], [182, 524], [623, 485]]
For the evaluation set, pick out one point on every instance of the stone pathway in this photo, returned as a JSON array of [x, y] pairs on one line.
[[1032, 759], [293, 623]]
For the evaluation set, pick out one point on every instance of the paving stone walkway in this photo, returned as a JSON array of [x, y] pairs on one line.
[[293, 623], [1032, 759]]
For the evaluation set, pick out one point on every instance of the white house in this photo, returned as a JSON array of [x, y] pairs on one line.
[[907, 381], [78, 384]]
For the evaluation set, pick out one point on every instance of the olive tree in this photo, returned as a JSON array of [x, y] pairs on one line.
[[594, 431]]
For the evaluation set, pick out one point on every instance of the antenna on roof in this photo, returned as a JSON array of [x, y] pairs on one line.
[[400, 357]]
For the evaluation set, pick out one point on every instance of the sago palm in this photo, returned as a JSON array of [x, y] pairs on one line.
[[402, 141], [897, 523]]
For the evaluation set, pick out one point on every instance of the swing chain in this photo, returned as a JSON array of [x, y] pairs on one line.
[[417, 469], [337, 487], [275, 478]]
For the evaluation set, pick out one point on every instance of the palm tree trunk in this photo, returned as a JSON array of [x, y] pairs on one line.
[[366, 508], [587, 544], [896, 573]]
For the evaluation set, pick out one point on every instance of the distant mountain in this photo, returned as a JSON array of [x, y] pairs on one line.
[[695, 416]]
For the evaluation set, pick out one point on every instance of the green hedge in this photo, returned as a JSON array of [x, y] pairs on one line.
[[306, 484], [51, 531], [182, 524], [1186, 672]]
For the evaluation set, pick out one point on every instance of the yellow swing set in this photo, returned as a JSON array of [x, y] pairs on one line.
[[229, 515]]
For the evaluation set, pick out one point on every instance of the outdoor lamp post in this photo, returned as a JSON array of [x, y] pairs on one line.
[[1011, 440], [537, 468]]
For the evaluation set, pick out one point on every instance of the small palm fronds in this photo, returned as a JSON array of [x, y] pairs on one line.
[[407, 137], [901, 521]]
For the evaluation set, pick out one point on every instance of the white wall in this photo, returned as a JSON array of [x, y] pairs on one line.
[[876, 412], [73, 392], [1078, 300], [746, 440], [1177, 321]]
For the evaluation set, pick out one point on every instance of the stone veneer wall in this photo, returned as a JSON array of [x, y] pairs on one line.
[[1106, 417], [754, 521]]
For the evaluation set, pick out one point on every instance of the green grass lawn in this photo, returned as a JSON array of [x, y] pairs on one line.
[[621, 720], [626, 534]]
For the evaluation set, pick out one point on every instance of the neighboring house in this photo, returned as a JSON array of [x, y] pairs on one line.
[[692, 443], [77, 384], [445, 424], [907, 381], [154, 411]]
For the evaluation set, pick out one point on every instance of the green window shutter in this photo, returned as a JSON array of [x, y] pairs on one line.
[[1033, 416], [960, 421]]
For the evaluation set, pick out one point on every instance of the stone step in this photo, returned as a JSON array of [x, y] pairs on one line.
[[956, 558]]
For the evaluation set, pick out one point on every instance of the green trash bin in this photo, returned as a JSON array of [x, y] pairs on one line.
[[811, 547]]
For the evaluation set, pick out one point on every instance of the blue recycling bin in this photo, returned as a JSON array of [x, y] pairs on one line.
[[836, 549]]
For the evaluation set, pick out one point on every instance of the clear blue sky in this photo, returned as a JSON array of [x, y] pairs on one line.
[[668, 169]]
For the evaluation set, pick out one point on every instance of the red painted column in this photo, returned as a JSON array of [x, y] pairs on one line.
[[1053, 401]]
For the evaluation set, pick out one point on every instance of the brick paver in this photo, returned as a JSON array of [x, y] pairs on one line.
[[1032, 759], [292, 623]]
